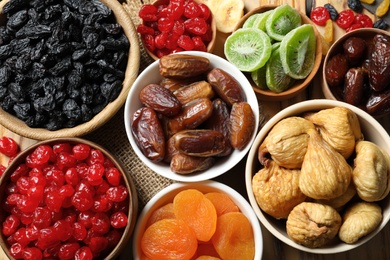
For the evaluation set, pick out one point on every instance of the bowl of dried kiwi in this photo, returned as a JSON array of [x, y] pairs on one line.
[[278, 48], [66, 67]]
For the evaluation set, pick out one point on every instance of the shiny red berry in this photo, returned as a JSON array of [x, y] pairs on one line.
[[196, 26], [84, 253], [32, 253], [345, 19], [8, 146], [118, 220], [319, 15], [185, 42], [113, 176], [10, 225], [81, 151], [148, 12]]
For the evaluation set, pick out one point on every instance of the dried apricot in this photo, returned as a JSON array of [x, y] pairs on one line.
[[169, 239], [206, 249], [233, 238], [197, 211], [206, 257], [164, 212], [222, 202]]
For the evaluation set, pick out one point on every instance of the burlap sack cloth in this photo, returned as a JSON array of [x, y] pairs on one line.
[[113, 135]]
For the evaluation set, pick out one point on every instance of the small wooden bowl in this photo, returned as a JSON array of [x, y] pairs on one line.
[[19, 127], [299, 85], [132, 192], [337, 47], [210, 45]]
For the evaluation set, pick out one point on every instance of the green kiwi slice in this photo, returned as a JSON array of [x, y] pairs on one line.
[[261, 20], [281, 21], [258, 77], [276, 79], [248, 49], [250, 21], [297, 51]]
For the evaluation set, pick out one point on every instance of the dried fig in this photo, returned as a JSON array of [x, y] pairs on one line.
[[183, 66], [276, 190], [312, 224], [339, 127], [339, 202], [185, 164], [286, 143], [359, 220], [325, 174], [371, 172], [241, 124], [199, 89]]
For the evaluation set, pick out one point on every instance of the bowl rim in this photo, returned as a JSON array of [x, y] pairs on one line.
[[163, 168], [132, 191], [268, 95], [203, 186], [19, 127], [296, 109]]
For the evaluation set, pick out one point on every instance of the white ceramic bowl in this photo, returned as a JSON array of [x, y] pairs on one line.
[[167, 194], [151, 75], [372, 131]]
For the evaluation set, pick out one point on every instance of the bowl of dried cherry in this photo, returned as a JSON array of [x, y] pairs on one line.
[[67, 73], [66, 198], [356, 70], [170, 26]]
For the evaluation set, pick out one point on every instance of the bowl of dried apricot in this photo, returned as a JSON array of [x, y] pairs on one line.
[[278, 48], [317, 176], [66, 198], [191, 116], [190, 220], [356, 70], [67, 73], [172, 26]]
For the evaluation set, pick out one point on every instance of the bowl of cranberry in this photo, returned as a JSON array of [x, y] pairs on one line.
[[66, 198], [170, 26]]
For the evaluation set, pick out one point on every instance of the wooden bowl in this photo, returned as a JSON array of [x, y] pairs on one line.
[[132, 192], [210, 45], [337, 47], [299, 85], [19, 127]]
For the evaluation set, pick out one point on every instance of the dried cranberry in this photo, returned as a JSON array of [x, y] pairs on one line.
[[364, 20], [84, 253], [178, 27], [144, 29], [148, 41], [8, 146], [345, 19], [95, 157], [117, 194], [319, 15], [79, 231], [98, 244], [82, 200], [160, 40], [68, 250], [72, 176], [81, 151], [10, 225], [100, 223], [95, 174], [62, 147], [165, 24], [63, 229], [199, 44], [118, 220], [196, 26], [206, 13], [148, 12], [354, 27], [185, 42], [47, 238], [192, 10], [32, 253], [2, 169], [16, 251]]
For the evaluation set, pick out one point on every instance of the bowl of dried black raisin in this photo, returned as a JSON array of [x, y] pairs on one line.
[[66, 67]]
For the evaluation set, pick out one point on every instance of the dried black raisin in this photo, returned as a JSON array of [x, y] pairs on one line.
[[355, 5], [332, 11], [381, 24]]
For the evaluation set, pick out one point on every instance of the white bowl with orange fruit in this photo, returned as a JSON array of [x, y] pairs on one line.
[[202, 223]]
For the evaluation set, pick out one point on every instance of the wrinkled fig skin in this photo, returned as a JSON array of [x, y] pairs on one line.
[[160, 100], [148, 133], [379, 72], [199, 142], [379, 103], [335, 70], [355, 49], [200, 89], [227, 87], [185, 164], [354, 86], [183, 66]]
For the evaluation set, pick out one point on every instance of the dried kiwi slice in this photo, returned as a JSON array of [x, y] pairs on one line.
[[297, 51], [276, 79], [261, 20], [281, 21], [248, 49], [250, 21], [258, 77]]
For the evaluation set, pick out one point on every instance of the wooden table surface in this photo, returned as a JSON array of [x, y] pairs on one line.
[[377, 248]]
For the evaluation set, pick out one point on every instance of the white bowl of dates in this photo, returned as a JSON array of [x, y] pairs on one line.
[[317, 176], [66, 67], [280, 63], [66, 198], [356, 70], [191, 116], [178, 207], [173, 26]]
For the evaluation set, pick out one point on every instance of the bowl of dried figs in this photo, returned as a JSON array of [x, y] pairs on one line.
[[66, 73], [317, 176], [278, 48], [66, 198], [356, 70], [191, 116], [171, 26], [208, 219]]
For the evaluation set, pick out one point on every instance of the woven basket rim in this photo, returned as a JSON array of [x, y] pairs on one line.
[[19, 127]]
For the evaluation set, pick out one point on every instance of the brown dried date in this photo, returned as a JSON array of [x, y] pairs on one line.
[[241, 124], [379, 103], [335, 70], [227, 87], [185, 164], [170, 149], [160, 100], [379, 71], [183, 66], [192, 115], [200, 89], [148, 133], [353, 86], [199, 142], [355, 48], [174, 84]]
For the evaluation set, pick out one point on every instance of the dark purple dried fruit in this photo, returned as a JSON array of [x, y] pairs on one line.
[[355, 5], [332, 11], [379, 71], [354, 49], [380, 24]]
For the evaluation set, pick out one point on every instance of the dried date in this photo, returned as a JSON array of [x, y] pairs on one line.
[[354, 48], [148, 133], [200, 89], [379, 103], [185, 164], [379, 71], [335, 70], [241, 124], [183, 66], [353, 86]]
